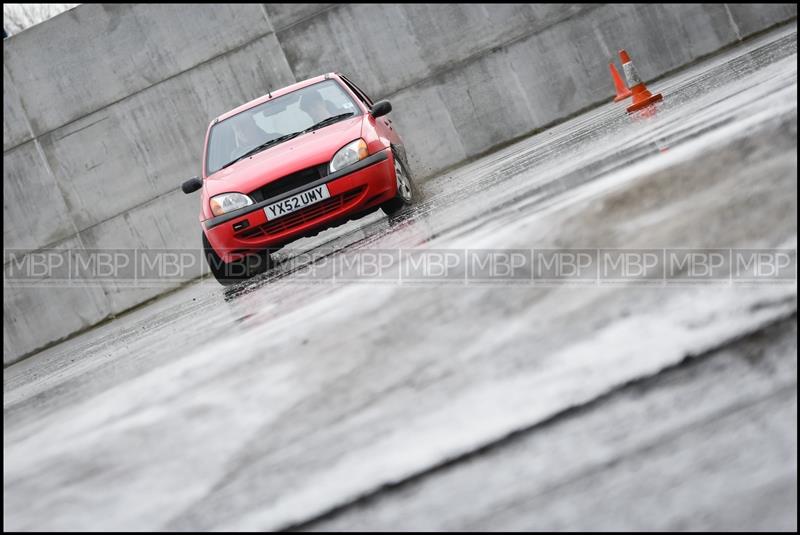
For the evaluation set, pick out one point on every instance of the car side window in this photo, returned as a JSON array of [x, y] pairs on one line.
[[361, 95]]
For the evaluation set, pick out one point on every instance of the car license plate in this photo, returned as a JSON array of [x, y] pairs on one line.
[[296, 202]]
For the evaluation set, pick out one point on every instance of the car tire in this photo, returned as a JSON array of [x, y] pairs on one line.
[[233, 272], [407, 192]]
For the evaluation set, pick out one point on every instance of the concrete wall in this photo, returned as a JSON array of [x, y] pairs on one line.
[[105, 106]]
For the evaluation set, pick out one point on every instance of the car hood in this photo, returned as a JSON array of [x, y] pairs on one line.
[[308, 150]]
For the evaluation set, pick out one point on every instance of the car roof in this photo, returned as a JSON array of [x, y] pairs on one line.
[[274, 94]]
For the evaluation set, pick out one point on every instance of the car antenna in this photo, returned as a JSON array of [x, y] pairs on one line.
[[269, 93]]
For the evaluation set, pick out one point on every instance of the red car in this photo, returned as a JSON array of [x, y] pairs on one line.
[[292, 163]]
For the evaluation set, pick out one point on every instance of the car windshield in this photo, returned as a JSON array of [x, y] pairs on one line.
[[280, 117]]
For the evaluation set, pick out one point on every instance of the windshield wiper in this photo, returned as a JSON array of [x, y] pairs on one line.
[[329, 120], [263, 146], [287, 137]]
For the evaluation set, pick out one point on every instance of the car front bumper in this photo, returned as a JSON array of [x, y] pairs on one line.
[[355, 189]]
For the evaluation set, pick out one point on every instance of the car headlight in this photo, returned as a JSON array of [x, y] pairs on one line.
[[228, 202], [348, 155]]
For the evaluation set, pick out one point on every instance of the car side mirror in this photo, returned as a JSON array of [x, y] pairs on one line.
[[192, 185], [380, 108]]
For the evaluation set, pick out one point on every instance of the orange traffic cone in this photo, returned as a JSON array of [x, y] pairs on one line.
[[641, 96], [622, 90]]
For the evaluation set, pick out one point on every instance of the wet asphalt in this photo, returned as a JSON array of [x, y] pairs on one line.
[[299, 401]]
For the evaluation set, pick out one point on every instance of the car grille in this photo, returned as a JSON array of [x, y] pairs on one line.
[[289, 182], [305, 215]]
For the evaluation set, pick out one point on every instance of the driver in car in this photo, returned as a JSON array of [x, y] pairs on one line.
[[246, 132], [315, 106]]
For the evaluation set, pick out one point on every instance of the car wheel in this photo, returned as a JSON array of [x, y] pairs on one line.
[[233, 272], [407, 192]]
